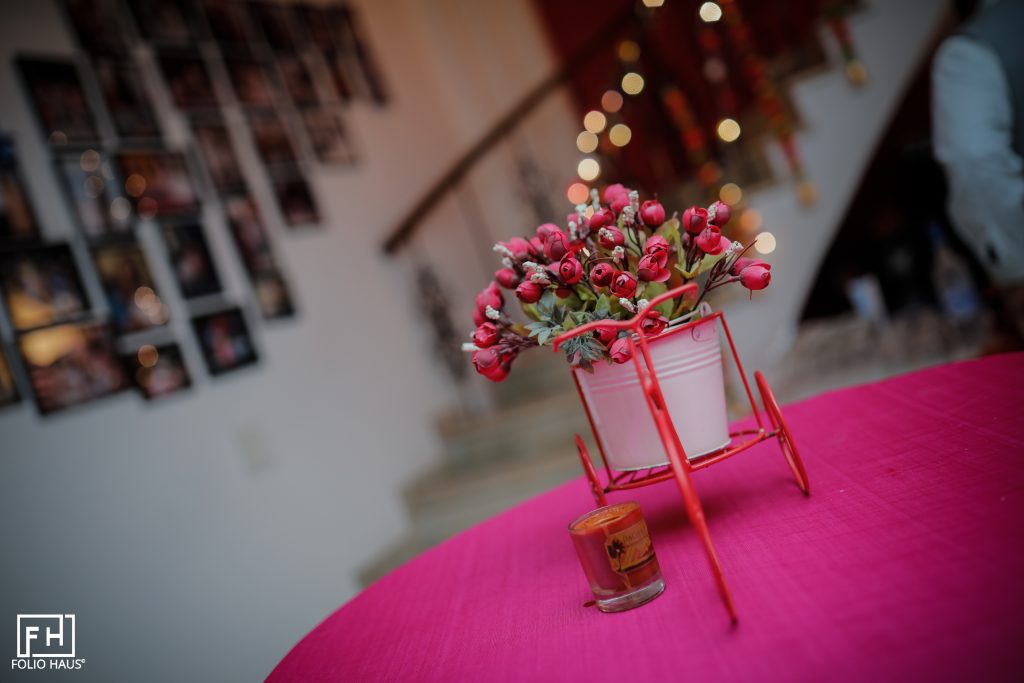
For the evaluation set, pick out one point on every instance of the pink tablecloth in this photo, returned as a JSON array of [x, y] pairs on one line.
[[906, 563]]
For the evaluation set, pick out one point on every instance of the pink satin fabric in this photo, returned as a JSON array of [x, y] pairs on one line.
[[905, 564]]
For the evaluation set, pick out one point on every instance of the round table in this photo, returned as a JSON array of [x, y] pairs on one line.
[[906, 562]]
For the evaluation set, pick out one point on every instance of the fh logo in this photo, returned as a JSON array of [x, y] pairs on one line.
[[46, 641]]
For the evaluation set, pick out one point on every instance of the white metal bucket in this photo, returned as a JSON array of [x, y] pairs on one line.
[[689, 369]]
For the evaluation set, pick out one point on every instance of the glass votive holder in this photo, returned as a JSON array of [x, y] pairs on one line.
[[618, 557]]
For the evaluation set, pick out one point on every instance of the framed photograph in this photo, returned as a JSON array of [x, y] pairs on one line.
[[158, 182], [95, 195], [17, 219], [250, 235], [341, 77], [354, 41], [297, 80], [71, 364], [127, 283], [275, 21], [272, 141], [296, 202], [8, 387], [251, 81], [273, 297], [227, 22], [225, 341], [215, 147], [188, 81], [58, 98], [126, 99], [158, 371], [164, 22], [98, 27], [41, 286], [316, 21], [191, 260], [328, 136]]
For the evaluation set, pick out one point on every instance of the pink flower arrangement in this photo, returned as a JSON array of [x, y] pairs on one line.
[[612, 258]]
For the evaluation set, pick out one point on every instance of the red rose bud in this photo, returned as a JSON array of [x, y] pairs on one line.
[[623, 285], [710, 240], [620, 351], [507, 278], [613, 191], [486, 359], [479, 317], [519, 247], [570, 271], [556, 246], [755, 277], [610, 237], [544, 230], [485, 335], [537, 245], [490, 296], [497, 373], [601, 275], [722, 214], [695, 219], [606, 335], [619, 203], [529, 292], [656, 245], [654, 324], [744, 261], [601, 218], [652, 213], [652, 268]]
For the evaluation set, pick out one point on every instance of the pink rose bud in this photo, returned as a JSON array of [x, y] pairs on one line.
[[610, 237], [613, 191], [545, 229], [556, 246], [519, 247], [623, 285], [507, 278], [654, 324], [529, 292], [755, 277], [601, 275], [652, 268], [652, 213], [485, 335], [710, 240], [695, 219], [490, 296], [606, 335], [479, 317], [744, 261], [619, 203], [570, 271], [601, 218], [722, 214], [656, 245], [620, 351]]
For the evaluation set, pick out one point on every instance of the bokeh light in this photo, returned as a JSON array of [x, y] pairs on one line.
[[710, 12], [629, 51], [588, 169], [586, 142], [148, 355], [750, 220], [594, 121], [578, 193], [620, 135], [632, 83], [89, 161], [764, 243], [728, 130], [731, 194], [135, 185], [611, 101]]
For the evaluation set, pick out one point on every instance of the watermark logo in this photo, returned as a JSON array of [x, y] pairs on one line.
[[46, 641]]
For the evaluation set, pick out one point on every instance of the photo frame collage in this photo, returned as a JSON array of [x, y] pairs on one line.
[[115, 170]]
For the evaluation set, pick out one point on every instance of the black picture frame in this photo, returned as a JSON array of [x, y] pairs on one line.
[[71, 364], [98, 27], [18, 222], [296, 202], [225, 341], [9, 394], [59, 101], [164, 22], [191, 260], [329, 136], [129, 288], [250, 235], [41, 286], [218, 154], [158, 182], [158, 371], [228, 23], [273, 295], [131, 113], [275, 22], [93, 191], [273, 141], [251, 81]]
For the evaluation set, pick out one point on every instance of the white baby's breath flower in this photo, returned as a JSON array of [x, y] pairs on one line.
[[507, 262], [503, 250], [469, 346], [492, 313], [642, 304], [618, 253], [627, 304]]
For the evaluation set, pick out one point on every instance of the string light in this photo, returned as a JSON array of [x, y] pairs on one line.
[[578, 193], [731, 194], [710, 12], [764, 243], [629, 51], [611, 101], [594, 121], [588, 169], [728, 130], [135, 185], [750, 220], [586, 142], [632, 83], [620, 135]]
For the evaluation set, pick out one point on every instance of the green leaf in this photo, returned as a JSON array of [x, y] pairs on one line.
[[708, 262], [603, 307]]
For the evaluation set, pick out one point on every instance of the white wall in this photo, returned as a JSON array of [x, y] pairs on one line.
[[185, 553]]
